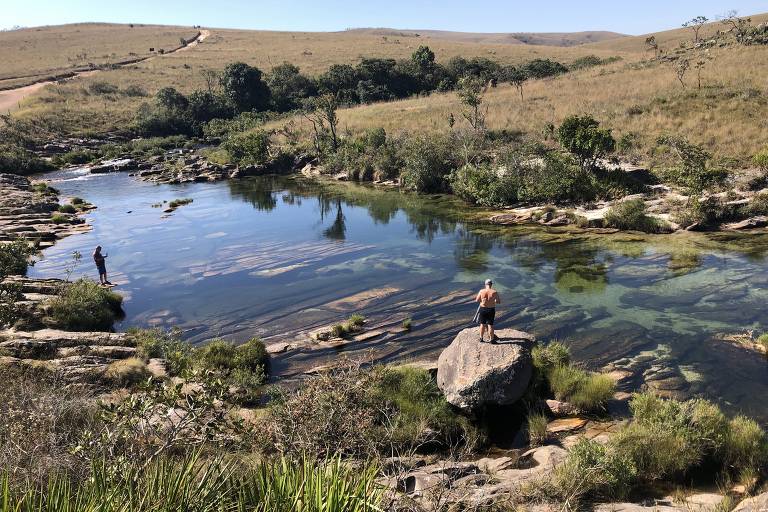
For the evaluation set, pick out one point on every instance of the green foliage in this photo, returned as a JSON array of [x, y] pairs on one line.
[[593, 471], [195, 484], [180, 202], [548, 357], [167, 345], [694, 169], [585, 390], [15, 159], [407, 324], [544, 68], [758, 205], [250, 148], [244, 88], [589, 61], [101, 88], [76, 157], [420, 414], [246, 365], [484, 186], [85, 306], [761, 160], [67, 208], [583, 137], [630, 215], [14, 260], [127, 372], [746, 446], [288, 87], [537, 429], [427, 163], [58, 218]]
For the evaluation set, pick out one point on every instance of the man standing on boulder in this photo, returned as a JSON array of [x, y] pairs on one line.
[[486, 313]]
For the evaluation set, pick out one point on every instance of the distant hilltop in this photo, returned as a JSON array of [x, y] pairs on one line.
[[529, 38]]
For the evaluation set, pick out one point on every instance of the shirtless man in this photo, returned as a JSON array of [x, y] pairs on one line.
[[488, 299]]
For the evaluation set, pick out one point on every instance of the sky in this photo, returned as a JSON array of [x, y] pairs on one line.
[[627, 16]]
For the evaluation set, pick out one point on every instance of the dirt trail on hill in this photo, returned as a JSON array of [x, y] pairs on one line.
[[10, 99]]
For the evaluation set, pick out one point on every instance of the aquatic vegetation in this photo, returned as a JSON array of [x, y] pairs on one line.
[[180, 202], [83, 305], [407, 324]]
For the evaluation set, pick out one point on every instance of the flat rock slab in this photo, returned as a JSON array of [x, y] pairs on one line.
[[473, 375], [566, 425]]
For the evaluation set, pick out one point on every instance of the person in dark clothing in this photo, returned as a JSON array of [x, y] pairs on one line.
[[488, 299], [101, 265]]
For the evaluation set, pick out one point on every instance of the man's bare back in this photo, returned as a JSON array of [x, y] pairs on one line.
[[488, 298]]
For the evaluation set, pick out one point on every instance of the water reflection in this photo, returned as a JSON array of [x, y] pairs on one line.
[[278, 257]]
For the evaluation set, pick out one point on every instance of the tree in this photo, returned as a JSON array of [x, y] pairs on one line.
[[171, 99], [424, 58], [544, 68], [681, 68], [322, 115], [243, 86], [517, 77], [212, 78], [340, 80], [584, 139], [288, 87], [699, 65], [739, 26], [470, 92], [14, 260], [651, 44], [695, 24]]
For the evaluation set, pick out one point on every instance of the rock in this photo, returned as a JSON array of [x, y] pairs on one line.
[[473, 375], [559, 408], [634, 507], [115, 165], [757, 503], [759, 221], [560, 220], [566, 425]]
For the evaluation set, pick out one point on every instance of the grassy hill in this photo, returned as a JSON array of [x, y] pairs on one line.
[[531, 38], [635, 96], [35, 53]]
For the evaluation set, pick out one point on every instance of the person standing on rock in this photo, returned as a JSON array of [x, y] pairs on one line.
[[486, 313], [101, 266]]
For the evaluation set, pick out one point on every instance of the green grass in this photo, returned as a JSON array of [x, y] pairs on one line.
[[587, 391], [246, 365], [67, 208], [537, 429], [193, 483], [58, 218], [407, 324], [84, 306], [630, 215], [127, 372]]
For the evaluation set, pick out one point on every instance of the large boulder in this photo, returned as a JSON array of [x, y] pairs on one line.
[[473, 375], [757, 504]]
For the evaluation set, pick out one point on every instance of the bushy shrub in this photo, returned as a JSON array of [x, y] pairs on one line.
[[427, 163], [245, 365], [537, 429], [41, 418], [484, 186], [585, 390], [101, 88], [251, 148], [746, 446], [84, 306], [761, 160], [592, 472], [167, 345], [420, 415], [15, 159], [583, 138], [694, 170], [14, 258], [362, 412], [67, 208], [127, 372], [630, 215], [758, 205], [76, 157]]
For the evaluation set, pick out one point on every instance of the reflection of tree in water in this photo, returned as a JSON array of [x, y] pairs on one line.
[[260, 193], [471, 250], [337, 230], [579, 268]]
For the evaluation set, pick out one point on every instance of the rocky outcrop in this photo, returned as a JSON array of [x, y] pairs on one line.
[[758, 503], [759, 221], [78, 357], [473, 375], [27, 211]]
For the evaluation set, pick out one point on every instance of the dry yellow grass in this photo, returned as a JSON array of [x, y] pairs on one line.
[[31, 54], [631, 96]]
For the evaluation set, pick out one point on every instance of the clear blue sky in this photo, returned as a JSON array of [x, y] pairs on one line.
[[627, 16]]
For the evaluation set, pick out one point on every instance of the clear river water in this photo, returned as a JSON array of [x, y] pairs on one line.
[[279, 257]]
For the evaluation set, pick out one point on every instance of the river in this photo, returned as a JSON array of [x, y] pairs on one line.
[[278, 257]]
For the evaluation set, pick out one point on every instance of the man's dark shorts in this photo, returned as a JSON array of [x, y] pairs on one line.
[[102, 267], [487, 316]]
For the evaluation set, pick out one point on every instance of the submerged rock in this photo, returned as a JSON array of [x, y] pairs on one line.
[[473, 375]]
